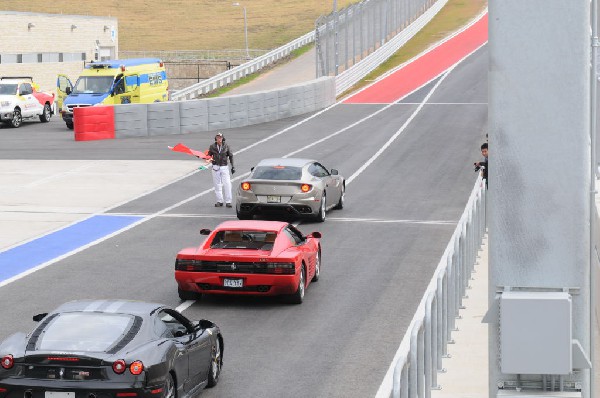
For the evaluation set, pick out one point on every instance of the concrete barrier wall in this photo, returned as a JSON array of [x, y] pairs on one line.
[[164, 118], [194, 116], [131, 120]]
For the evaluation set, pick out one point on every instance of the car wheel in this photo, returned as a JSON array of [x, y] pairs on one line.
[[317, 267], [69, 125], [321, 214], [17, 118], [298, 297], [187, 295], [46, 115], [216, 362], [340, 203], [170, 390]]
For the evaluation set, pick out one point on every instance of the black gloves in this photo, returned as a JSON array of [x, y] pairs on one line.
[[232, 170]]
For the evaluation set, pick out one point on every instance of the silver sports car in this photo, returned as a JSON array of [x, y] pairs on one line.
[[295, 187]]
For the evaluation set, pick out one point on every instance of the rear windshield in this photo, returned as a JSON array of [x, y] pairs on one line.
[[84, 331], [254, 240], [8, 89], [277, 173]]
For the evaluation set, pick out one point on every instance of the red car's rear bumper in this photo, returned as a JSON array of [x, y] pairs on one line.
[[211, 283]]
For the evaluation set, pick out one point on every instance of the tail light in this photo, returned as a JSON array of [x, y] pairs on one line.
[[122, 68], [136, 367], [119, 366], [7, 361], [188, 265], [246, 186], [161, 64], [281, 268], [305, 187], [65, 359]]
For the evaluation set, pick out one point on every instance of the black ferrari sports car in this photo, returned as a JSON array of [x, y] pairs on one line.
[[111, 349]]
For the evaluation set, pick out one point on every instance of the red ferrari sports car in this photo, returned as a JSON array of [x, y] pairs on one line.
[[250, 258]]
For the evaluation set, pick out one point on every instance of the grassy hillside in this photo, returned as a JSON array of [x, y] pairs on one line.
[[147, 25]]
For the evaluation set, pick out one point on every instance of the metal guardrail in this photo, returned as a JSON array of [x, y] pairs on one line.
[[356, 72], [228, 77], [419, 357]]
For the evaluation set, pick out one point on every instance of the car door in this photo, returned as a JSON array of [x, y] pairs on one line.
[[126, 90], [197, 346], [301, 244], [330, 185], [30, 105], [62, 82], [165, 325]]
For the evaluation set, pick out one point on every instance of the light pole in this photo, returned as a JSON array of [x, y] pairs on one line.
[[245, 28]]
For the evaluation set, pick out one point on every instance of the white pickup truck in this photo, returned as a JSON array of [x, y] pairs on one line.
[[20, 100]]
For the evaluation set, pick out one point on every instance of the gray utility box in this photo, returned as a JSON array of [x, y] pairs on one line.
[[535, 333]]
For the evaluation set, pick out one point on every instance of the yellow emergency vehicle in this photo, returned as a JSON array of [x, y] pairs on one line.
[[128, 81]]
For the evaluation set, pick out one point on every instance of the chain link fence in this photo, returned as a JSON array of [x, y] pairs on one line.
[[344, 37]]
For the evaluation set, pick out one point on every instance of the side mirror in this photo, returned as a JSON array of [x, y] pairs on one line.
[[334, 172], [205, 231], [205, 324], [68, 90], [251, 168], [39, 317], [316, 234]]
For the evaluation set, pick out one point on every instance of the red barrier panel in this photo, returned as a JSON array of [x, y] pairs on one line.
[[94, 123]]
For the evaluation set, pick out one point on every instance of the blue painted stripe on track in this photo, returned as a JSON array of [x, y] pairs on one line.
[[29, 255]]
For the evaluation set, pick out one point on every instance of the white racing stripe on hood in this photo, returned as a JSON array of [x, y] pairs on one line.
[[94, 306]]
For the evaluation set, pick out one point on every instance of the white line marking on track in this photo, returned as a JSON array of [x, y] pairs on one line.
[[401, 130], [333, 219], [185, 305], [378, 220]]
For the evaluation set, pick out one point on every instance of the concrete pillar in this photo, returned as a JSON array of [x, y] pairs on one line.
[[539, 177]]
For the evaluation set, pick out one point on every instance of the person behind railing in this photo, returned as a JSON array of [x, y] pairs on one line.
[[482, 166]]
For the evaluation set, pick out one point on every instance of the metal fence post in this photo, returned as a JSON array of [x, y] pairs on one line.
[[397, 380], [421, 360], [346, 38], [414, 363], [404, 382], [428, 344], [443, 309], [354, 23]]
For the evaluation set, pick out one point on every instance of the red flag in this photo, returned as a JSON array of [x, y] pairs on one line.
[[184, 149]]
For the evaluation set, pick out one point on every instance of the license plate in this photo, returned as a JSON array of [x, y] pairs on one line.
[[59, 394], [273, 199], [230, 283]]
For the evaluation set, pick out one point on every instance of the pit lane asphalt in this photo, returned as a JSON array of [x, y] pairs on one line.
[[379, 252]]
